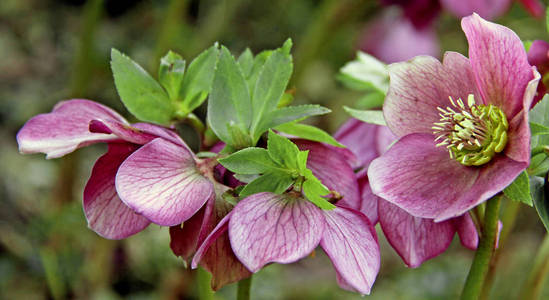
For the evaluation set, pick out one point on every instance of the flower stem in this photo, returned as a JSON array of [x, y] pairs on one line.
[[534, 285], [204, 290], [481, 262], [243, 292]]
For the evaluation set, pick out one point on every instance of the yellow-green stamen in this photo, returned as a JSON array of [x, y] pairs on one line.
[[472, 133]]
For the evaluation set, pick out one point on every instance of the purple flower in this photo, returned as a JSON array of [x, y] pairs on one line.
[[414, 239], [538, 56], [267, 227], [462, 125], [147, 175], [486, 9]]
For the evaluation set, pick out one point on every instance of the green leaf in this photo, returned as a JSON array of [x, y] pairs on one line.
[[308, 132], [171, 72], [371, 100], [249, 161], [365, 73], [540, 115], [539, 165], [270, 85], [302, 157], [253, 75], [541, 203], [230, 102], [246, 62], [239, 136], [288, 114], [314, 190], [272, 181], [140, 93], [368, 116], [198, 81], [519, 190], [527, 44], [538, 129], [246, 178], [282, 151]]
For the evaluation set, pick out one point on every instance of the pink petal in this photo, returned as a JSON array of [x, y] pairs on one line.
[[160, 131], [467, 231], [492, 179], [161, 181], [350, 241], [419, 177], [360, 138], [488, 9], [65, 129], [267, 227], [418, 86], [499, 63], [538, 56], [332, 170], [106, 213], [414, 239], [369, 200]]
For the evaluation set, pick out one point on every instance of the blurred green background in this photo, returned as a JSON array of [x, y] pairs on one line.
[[54, 50]]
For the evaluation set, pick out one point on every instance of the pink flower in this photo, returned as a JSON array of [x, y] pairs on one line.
[[147, 175], [462, 125], [538, 56]]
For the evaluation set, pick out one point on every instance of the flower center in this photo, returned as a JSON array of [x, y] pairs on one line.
[[472, 133]]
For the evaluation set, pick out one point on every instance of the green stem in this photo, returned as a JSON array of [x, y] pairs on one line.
[[243, 292], [534, 285], [204, 289], [508, 220], [481, 261]]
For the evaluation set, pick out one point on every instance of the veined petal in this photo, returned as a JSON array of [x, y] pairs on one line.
[[467, 231], [369, 206], [106, 213], [161, 181], [350, 241], [160, 131], [486, 9], [267, 227], [359, 137], [419, 177], [65, 129], [414, 239], [492, 179], [417, 87], [499, 63], [332, 170]]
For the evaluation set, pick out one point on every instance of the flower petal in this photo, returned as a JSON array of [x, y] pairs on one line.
[[467, 231], [499, 63], [417, 87], [65, 129], [360, 138], [419, 177], [492, 179], [267, 227], [369, 200], [414, 239], [350, 241], [332, 170], [538, 56], [486, 9], [161, 181], [106, 213]]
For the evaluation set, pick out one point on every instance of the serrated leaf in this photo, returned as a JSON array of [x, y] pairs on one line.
[[270, 85], [171, 72], [197, 83], [246, 62], [541, 203], [230, 102], [288, 114], [249, 161], [272, 181], [538, 129], [282, 151], [308, 132], [253, 75], [519, 190], [368, 116], [314, 190], [140, 93]]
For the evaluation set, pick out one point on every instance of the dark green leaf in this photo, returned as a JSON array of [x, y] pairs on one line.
[[519, 190], [249, 161], [259, 61], [308, 132], [272, 181], [368, 116], [314, 190], [230, 102], [288, 114], [139, 92], [541, 203], [282, 151], [198, 81], [170, 73]]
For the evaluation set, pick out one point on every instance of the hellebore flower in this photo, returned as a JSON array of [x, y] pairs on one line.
[[462, 125], [414, 239], [142, 160], [267, 227], [538, 56]]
